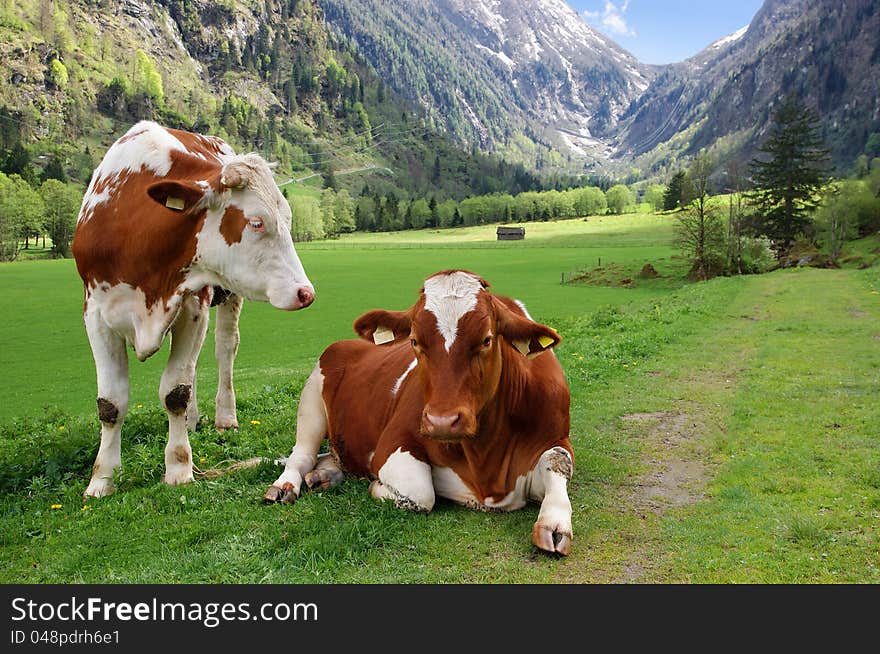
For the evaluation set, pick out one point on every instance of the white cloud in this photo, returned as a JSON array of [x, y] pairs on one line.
[[611, 19]]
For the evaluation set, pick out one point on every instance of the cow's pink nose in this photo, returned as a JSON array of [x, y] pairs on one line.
[[448, 424], [306, 296]]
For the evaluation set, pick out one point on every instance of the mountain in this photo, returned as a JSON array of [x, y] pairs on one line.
[[825, 51], [453, 97], [502, 74], [532, 81], [266, 75]]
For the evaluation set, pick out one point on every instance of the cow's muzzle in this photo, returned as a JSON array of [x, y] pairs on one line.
[[299, 297], [452, 425]]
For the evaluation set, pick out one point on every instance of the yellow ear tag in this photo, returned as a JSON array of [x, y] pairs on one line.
[[382, 335], [522, 346], [175, 203], [545, 341]]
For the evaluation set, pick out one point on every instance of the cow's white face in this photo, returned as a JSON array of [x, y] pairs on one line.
[[245, 243]]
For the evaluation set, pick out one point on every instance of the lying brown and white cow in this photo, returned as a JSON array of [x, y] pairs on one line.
[[168, 216], [458, 400]]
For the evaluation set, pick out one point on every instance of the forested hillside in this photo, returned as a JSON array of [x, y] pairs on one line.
[[263, 74]]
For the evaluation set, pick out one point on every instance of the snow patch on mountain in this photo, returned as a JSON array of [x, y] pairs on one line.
[[730, 38], [507, 61]]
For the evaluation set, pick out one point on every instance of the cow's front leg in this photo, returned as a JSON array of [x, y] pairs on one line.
[[176, 388], [550, 477], [311, 428], [226, 340], [406, 481], [111, 363]]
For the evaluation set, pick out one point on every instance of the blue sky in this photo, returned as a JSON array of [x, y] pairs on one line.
[[666, 31]]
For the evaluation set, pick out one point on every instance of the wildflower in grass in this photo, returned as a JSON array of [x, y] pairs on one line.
[[256, 422], [202, 460], [60, 427], [55, 506], [140, 406], [85, 507]]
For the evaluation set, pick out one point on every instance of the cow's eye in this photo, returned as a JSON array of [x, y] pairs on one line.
[[487, 341], [257, 225]]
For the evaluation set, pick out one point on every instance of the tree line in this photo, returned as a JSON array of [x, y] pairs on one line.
[[338, 212]]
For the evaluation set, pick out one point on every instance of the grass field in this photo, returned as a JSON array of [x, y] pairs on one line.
[[724, 431]]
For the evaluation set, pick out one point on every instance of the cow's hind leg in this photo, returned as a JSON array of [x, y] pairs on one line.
[[406, 481], [311, 428], [226, 339], [550, 477], [111, 364], [176, 387], [326, 474]]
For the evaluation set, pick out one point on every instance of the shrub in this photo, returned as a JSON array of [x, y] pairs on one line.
[[757, 255]]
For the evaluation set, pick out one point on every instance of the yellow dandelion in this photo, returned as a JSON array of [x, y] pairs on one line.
[[140, 406], [202, 460], [85, 507], [55, 506], [256, 422], [60, 427]]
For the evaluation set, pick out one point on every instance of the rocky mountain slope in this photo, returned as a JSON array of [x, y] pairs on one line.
[[311, 82], [502, 74], [825, 51], [506, 75]]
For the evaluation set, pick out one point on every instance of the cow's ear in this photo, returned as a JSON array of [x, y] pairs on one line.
[[381, 326], [176, 195], [530, 338]]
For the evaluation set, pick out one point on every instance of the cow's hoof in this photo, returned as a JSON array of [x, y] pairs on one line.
[[286, 494], [323, 479], [99, 487], [178, 477], [552, 540], [222, 424]]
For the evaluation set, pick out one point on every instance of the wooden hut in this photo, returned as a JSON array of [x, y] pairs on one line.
[[511, 233]]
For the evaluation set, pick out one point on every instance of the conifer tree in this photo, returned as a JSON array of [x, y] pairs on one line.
[[672, 198], [789, 173]]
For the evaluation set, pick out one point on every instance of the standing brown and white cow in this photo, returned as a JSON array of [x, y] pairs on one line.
[[168, 216], [458, 400]]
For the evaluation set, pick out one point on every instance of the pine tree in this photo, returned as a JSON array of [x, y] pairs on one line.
[[673, 196], [788, 178], [54, 170], [434, 220]]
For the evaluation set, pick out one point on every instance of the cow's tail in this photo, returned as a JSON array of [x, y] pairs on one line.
[[227, 466]]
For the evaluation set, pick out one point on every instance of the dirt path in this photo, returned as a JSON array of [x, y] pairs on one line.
[[684, 430]]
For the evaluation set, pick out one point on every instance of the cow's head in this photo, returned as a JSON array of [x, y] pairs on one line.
[[461, 335], [245, 244]]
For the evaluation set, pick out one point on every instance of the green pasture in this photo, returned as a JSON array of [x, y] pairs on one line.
[[47, 362], [724, 431]]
